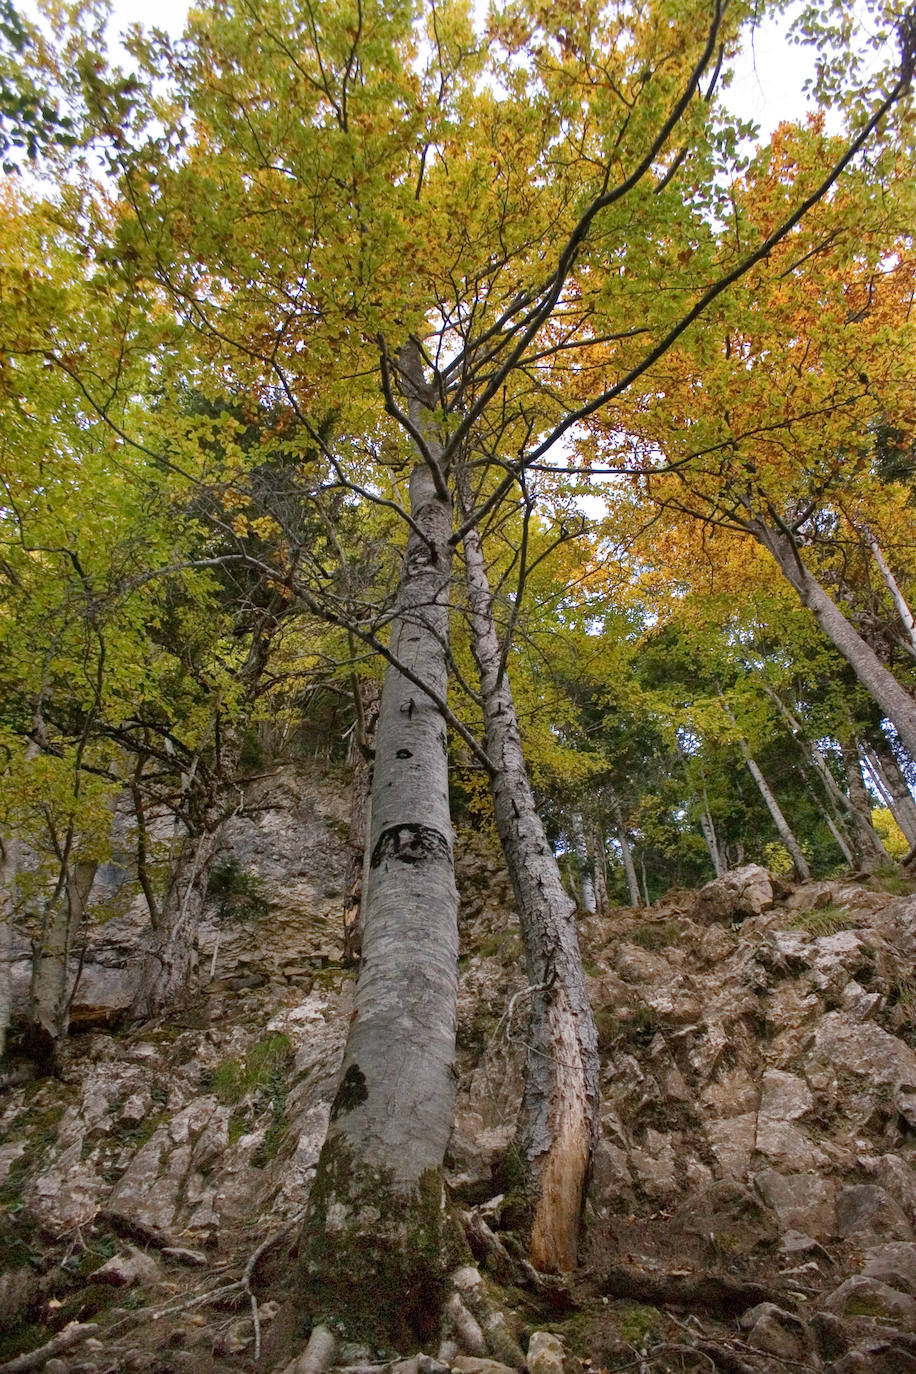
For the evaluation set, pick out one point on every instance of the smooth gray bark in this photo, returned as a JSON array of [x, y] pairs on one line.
[[169, 960], [626, 852], [870, 851], [783, 829], [50, 992], [894, 701], [598, 851], [559, 1122], [8, 865], [893, 586], [893, 786], [372, 1240], [584, 865]]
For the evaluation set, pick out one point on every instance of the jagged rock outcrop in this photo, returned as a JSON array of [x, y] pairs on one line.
[[758, 1151]]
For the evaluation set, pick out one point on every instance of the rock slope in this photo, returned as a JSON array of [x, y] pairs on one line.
[[753, 1200]]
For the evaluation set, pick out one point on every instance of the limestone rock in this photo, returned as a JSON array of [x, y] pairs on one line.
[[743, 892], [128, 1269], [894, 1264], [545, 1353], [868, 1210], [864, 1296], [775, 1331], [802, 1202]]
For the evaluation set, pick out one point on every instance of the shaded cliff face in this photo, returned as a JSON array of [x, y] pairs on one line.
[[758, 1121]]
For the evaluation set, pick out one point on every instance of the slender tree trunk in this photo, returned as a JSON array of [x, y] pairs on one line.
[[49, 994], [645, 885], [626, 852], [783, 829], [894, 701], [584, 865], [599, 854], [706, 822], [169, 960], [368, 701], [8, 867], [870, 852], [890, 781], [899, 600], [372, 1242], [559, 1123]]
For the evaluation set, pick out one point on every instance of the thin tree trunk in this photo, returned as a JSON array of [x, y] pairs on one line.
[[584, 865], [49, 994], [8, 867], [888, 778], [372, 1240], [870, 852], [645, 885], [599, 854], [712, 840], [899, 600], [783, 829], [894, 701], [368, 700], [559, 1123], [626, 852], [169, 961]]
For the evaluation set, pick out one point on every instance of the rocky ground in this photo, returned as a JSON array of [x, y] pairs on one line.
[[753, 1204]]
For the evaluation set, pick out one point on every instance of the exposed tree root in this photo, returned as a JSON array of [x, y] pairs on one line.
[[473, 1293], [72, 1334], [708, 1293]]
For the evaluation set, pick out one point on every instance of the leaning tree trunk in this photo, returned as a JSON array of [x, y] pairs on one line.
[[783, 829], [8, 865], [366, 695], [870, 851], [629, 867], [169, 960], [584, 865], [371, 1244], [894, 701], [559, 1122], [890, 780], [50, 992]]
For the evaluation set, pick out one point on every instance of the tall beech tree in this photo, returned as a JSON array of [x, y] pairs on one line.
[[439, 235]]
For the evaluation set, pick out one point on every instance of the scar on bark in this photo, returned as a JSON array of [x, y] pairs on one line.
[[351, 1093], [409, 844]]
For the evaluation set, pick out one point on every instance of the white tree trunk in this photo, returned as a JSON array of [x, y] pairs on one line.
[[584, 865], [169, 960], [559, 1124], [784, 830], [899, 600], [894, 701], [372, 1240], [893, 787], [8, 866], [49, 994], [870, 851], [626, 852]]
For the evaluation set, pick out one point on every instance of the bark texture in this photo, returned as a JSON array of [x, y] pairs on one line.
[[559, 1123], [895, 702], [8, 863], [170, 958], [50, 991], [363, 749], [372, 1242]]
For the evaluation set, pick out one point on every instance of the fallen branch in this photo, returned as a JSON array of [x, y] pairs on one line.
[[710, 1293], [72, 1334]]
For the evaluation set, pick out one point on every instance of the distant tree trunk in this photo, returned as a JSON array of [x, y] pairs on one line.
[[599, 855], [584, 865], [626, 852], [8, 866], [708, 828], [645, 885], [893, 786], [783, 829], [169, 959], [371, 1244], [894, 701], [49, 994], [559, 1122], [899, 600], [363, 746], [870, 852]]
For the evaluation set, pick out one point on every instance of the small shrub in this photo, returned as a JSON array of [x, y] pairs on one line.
[[655, 935], [239, 894]]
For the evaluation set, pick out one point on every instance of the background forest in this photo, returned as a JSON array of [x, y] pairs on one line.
[[467, 395]]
